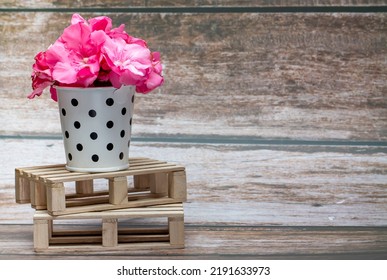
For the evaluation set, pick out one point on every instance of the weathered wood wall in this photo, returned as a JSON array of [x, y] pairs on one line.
[[277, 75], [280, 116]]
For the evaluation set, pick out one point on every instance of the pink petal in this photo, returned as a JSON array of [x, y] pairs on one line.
[[38, 90], [134, 68], [100, 23], [55, 53], [76, 36], [76, 18], [154, 81], [54, 95], [115, 79], [128, 78], [137, 52], [64, 73], [85, 77], [98, 37], [119, 32]]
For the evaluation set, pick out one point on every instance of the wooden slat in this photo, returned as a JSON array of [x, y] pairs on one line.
[[67, 176], [98, 239], [181, 3], [124, 231], [102, 207], [292, 75]]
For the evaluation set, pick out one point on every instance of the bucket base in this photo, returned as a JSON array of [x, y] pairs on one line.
[[96, 170]]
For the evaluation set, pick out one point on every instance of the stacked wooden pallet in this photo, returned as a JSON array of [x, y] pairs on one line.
[[158, 189]]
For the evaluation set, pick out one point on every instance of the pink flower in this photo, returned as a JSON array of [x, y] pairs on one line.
[[97, 23], [77, 57], [128, 62], [41, 75], [119, 32], [154, 79], [100, 23], [92, 53]]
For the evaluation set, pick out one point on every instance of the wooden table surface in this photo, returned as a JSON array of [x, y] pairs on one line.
[[278, 111]]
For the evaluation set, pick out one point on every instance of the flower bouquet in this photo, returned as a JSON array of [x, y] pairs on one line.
[[93, 70], [93, 54]]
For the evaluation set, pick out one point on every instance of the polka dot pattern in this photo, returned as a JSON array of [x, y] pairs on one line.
[[109, 124], [110, 101], [96, 134], [95, 158], [92, 113], [74, 102], [93, 135]]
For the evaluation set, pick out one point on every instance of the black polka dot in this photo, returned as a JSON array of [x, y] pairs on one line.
[[109, 101], [92, 113], [133, 98], [67, 134], [109, 124], [122, 133], [123, 111], [74, 102], [128, 143], [109, 146], [95, 158], [79, 147], [130, 122], [70, 156], [121, 155], [93, 135], [77, 125], [63, 112]]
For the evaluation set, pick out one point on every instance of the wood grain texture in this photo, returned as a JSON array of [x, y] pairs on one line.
[[250, 185], [182, 3], [300, 76], [228, 243], [241, 76]]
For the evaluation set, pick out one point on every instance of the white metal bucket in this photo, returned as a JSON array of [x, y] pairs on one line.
[[96, 126]]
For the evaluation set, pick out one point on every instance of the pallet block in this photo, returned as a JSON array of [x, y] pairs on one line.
[[110, 236], [155, 183]]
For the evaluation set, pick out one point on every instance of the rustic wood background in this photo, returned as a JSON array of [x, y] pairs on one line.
[[278, 110]]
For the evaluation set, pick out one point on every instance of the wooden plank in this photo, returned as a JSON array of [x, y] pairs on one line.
[[178, 185], [217, 242], [98, 239], [109, 232], [67, 176], [84, 187], [118, 190], [176, 230], [107, 206], [181, 3], [41, 234], [22, 188], [55, 197], [249, 185], [297, 76]]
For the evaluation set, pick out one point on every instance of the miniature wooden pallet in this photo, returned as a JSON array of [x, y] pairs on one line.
[[155, 183], [110, 236]]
